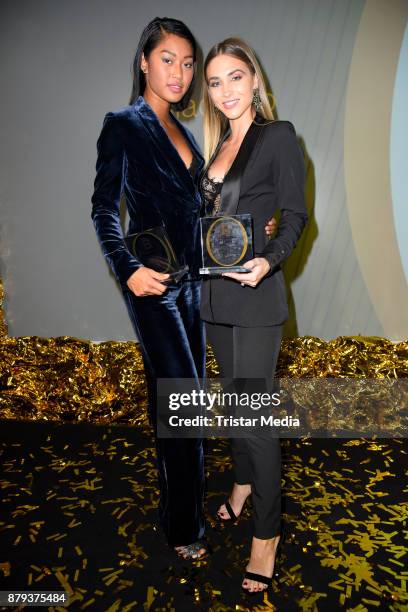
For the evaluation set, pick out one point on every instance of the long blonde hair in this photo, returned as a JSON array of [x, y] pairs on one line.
[[215, 123]]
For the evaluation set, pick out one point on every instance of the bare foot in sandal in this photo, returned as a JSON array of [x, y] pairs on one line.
[[262, 563], [237, 500]]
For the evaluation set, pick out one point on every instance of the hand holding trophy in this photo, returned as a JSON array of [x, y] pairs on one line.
[[226, 244], [146, 281], [257, 268], [153, 248]]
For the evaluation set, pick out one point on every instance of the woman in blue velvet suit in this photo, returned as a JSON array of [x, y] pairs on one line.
[[255, 165], [145, 152]]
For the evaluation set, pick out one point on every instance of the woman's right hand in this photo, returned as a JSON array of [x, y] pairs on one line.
[[270, 227], [146, 281]]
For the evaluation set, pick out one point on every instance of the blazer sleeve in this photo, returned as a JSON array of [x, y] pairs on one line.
[[106, 200], [289, 168]]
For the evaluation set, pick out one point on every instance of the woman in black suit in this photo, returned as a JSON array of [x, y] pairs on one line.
[[255, 166], [145, 152]]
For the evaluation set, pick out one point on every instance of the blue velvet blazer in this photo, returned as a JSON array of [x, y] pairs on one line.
[[136, 158]]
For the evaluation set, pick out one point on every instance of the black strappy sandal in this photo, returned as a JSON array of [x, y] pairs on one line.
[[265, 579], [232, 516], [258, 578]]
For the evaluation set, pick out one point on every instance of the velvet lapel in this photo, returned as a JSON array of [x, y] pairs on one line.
[[232, 181], [191, 142], [164, 145]]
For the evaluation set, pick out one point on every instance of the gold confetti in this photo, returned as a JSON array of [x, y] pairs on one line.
[[5, 568]]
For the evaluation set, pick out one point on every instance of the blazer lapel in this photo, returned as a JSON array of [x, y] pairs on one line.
[[231, 187], [164, 145]]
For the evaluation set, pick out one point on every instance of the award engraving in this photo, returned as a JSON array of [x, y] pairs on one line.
[[226, 243], [153, 248]]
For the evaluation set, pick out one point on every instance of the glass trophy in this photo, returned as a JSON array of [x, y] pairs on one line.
[[226, 243], [153, 248]]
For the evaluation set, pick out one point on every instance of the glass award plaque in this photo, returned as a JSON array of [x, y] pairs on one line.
[[153, 248], [226, 243]]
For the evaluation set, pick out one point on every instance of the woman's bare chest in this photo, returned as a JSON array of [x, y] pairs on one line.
[[223, 162]]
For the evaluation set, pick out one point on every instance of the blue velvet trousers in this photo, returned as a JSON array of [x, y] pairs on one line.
[[172, 341]]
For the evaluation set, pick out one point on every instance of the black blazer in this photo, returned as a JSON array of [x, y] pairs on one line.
[[136, 158], [268, 173]]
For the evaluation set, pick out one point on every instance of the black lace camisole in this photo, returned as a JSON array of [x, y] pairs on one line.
[[211, 194]]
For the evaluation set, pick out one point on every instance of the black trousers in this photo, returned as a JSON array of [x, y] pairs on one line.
[[172, 342], [252, 353]]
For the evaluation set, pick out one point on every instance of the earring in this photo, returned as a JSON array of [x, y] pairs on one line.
[[256, 99]]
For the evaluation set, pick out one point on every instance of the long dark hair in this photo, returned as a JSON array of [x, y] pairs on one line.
[[150, 38]]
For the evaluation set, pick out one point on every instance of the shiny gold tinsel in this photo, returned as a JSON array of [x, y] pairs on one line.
[[68, 379]]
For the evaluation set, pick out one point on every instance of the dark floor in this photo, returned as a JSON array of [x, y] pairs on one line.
[[78, 511]]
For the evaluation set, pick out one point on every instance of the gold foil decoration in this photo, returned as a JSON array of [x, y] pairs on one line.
[[70, 380]]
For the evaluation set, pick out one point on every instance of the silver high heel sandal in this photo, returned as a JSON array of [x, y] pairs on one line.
[[191, 551]]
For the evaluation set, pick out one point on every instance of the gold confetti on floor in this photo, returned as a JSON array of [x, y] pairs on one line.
[[345, 522]]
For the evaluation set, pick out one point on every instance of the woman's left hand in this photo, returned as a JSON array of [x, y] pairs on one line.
[[259, 266]]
